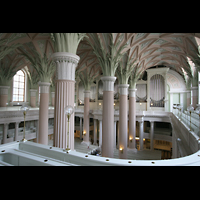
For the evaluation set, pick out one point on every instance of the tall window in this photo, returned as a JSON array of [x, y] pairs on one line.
[[18, 86]]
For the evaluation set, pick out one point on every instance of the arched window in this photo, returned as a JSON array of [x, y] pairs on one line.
[[19, 86]]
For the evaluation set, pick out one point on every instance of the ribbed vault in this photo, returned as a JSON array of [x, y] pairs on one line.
[[149, 49]]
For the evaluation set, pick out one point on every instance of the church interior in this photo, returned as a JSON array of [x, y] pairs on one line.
[[70, 99]]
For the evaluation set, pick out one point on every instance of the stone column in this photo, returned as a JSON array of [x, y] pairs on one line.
[[43, 113], [188, 97], [181, 100], [141, 127], [100, 133], [33, 98], [132, 118], [114, 134], [123, 120], [86, 123], [77, 91], [118, 134], [64, 95], [151, 134], [37, 131], [95, 132], [108, 116], [16, 131], [194, 96], [52, 98], [97, 91], [81, 128], [5, 132], [3, 95], [171, 102]]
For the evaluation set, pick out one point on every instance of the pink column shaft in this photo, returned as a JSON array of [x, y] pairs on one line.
[[33, 102], [33, 98], [108, 124], [43, 118], [132, 122], [3, 95], [3, 100], [194, 101], [123, 124], [64, 95], [52, 101], [86, 123]]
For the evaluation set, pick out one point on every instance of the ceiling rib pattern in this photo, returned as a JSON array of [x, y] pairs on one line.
[[149, 49]]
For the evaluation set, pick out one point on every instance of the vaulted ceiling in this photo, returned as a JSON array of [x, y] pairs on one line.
[[150, 49]]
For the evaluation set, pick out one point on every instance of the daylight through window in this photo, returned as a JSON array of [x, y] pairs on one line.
[[18, 86]]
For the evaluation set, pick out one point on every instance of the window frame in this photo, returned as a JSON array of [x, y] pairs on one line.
[[24, 89]]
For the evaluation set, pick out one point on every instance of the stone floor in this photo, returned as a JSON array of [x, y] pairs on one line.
[[138, 155]]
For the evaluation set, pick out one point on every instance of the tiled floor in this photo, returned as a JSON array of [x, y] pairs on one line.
[[139, 155]]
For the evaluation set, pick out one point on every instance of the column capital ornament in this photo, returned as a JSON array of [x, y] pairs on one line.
[[33, 92], [123, 89], [108, 83], [87, 93], [132, 92], [66, 64], [44, 87]]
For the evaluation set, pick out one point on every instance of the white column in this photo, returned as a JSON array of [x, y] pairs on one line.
[[100, 133], [86, 123], [5, 131], [115, 134], [16, 130], [188, 97], [132, 118], [97, 91], [108, 116], [77, 91], [81, 128], [95, 132], [33, 97], [181, 99], [3, 95], [171, 102], [66, 64], [194, 96], [151, 134], [43, 113], [141, 125], [123, 120]]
